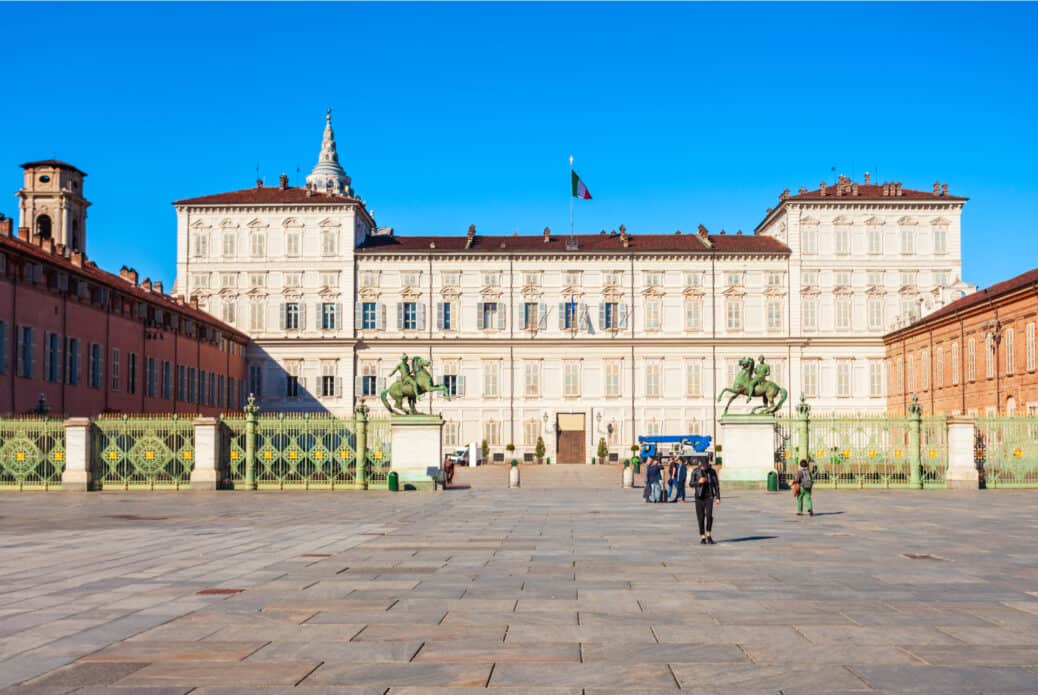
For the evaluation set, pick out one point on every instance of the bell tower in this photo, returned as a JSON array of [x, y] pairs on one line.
[[51, 204]]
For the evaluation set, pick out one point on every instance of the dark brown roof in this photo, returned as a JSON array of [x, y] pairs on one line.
[[53, 163], [267, 196], [1028, 279], [870, 192], [90, 271], [683, 243]]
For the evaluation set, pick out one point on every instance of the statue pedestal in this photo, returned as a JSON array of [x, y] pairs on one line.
[[416, 450], [749, 451]]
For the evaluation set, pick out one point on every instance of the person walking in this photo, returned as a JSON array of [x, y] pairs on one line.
[[653, 474], [803, 483], [680, 476], [707, 493]]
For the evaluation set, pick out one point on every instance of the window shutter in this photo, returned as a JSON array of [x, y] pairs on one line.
[[338, 387], [585, 318], [602, 316], [283, 315], [421, 317], [542, 316], [623, 315], [520, 317], [502, 316], [302, 316], [32, 352], [479, 316], [380, 384], [439, 316], [358, 315], [339, 319], [380, 317], [358, 386], [562, 316], [400, 316], [460, 385]]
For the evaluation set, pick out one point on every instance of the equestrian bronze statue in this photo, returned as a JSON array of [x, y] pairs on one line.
[[414, 382], [752, 382]]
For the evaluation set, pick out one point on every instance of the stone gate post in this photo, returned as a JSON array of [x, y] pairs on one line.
[[360, 455], [962, 468], [205, 474], [78, 473]]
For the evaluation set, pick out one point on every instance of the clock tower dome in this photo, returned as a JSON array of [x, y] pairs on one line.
[[51, 203]]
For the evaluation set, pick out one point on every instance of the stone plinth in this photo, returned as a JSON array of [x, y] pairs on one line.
[[77, 474], [962, 469], [749, 450], [205, 474], [416, 450]]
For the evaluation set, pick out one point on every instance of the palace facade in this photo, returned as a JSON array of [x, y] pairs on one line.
[[572, 339]]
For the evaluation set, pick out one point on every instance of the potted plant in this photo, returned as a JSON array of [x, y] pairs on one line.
[[510, 448], [538, 450], [485, 449], [635, 460], [603, 450]]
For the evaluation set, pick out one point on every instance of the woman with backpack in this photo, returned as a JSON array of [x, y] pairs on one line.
[[802, 485]]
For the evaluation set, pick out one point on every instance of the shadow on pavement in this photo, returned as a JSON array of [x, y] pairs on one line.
[[744, 539]]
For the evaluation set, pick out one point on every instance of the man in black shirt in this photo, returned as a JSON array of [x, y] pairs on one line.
[[707, 493]]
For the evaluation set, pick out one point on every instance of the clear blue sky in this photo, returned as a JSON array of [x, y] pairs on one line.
[[446, 115]]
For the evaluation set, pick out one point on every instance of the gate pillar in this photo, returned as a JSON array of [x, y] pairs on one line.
[[962, 469], [205, 474], [78, 473]]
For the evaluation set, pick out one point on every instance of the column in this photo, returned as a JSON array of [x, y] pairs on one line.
[[78, 473], [962, 468], [360, 455], [205, 474], [915, 461]]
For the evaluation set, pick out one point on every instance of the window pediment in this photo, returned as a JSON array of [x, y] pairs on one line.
[[842, 221], [876, 291], [652, 291], [693, 292], [450, 293], [410, 293], [908, 290], [329, 293], [734, 292], [257, 224], [532, 292], [328, 222], [809, 221], [843, 290], [369, 293], [292, 293], [229, 292], [939, 222], [490, 292], [773, 291], [907, 221], [810, 291], [874, 221], [199, 224], [256, 293]]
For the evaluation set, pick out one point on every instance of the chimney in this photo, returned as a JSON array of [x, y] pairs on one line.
[[131, 276], [259, 183], [23, 233], [677, 232], [624, 237], [309, 192], [766, 213], [6, 225], [898, 189], [194, 302], [723, 232], [854, 189], [821, 189], [470, 236], [886, 189], [158, 287], [868, 178], [179, 299], [944, 189], [802, 190], [547, 234], [703, 232], [784, 195], [936, 188], [77, 260], [283, 181], [47, 245], [146, 284], [124, 273]]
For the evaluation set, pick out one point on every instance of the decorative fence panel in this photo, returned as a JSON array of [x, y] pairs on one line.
[[305, 451], [143, 452], [787, 444], [1007, 450], [32, 453], [378, 454]]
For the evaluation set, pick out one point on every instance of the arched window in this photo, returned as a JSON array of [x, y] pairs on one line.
[[74, 241], [43, 226]]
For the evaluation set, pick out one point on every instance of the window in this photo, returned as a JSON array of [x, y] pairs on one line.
[[989, 357], [940, 278], [230, 311], [256, 310], [454, 382], [810, 237], [899, 376], [843, 313], [875, 309], [571, 279], [531, 431], [200, 281], [693, 279], [613, 278], [809, 278], [292, 380], [451, 279], [451, 434], [842, 278], [653, 279], [733, 314], [609, 316], [293, 279], [72, 361], [842, 240], [368, 312], [907, 241], [875, 278], [131, 372], [652, 379], [330, 316], [329, 279], [52, 363], [652, 314], [255, 380], [292, 243], [955, 363], [909, 278], [329, 242], [694, 378], [293, 316], [612, 379], [228, 280], [1010, 339], [875, 241], [192, 385], [910, 368], [569, 316], [1028, 336], [115, 369], [910, 309], [167, 380], [694, 315], [875, 378], [774, 316], [492, 432], [409, 279], [3, 345], [939, 366], [810, 309], [328, 380], [490, 315], [924, 370], [150, 377], [181, 382], [843, 378], [571, 379], [230, 244], [531, 279], [407, 317], [532, 379], [531, 316], [93, 366], [491, 279], [733, 279], [369, 379], [490, 378], [940, 239], [971, 360], [257, 280], [258, 244], [201, 244], [810, 378]]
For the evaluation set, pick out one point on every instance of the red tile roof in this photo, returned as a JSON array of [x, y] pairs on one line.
[[90, 271], [481, 243], [870, 192], [53, 163], [267, 196], [1024, 280]]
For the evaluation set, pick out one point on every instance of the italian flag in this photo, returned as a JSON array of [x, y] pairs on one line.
[[579, 189]]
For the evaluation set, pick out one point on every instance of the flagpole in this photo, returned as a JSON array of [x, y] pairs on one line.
[[571, 195]]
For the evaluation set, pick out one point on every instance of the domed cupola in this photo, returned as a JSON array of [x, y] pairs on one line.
[[328, 175]]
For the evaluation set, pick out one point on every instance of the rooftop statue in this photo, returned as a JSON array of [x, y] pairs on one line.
[[752, 381], [414, 382]]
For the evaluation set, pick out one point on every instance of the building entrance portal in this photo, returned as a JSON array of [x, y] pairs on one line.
[[571, 438]]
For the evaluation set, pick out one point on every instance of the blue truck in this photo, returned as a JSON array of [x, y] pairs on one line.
[[683, 445]]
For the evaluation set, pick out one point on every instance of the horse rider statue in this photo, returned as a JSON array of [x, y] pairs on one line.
[[752, 381], [414, 382]]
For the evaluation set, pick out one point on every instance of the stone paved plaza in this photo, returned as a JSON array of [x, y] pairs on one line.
[[559, 587]]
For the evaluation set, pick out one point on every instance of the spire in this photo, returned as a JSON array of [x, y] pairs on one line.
[[328, 175]]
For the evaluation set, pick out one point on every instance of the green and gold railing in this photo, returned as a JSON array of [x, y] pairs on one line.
[[149, 452], [32, 453], [1007, 450]]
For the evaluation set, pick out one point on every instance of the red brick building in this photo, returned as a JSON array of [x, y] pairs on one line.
[[975, 356], [88, 341]]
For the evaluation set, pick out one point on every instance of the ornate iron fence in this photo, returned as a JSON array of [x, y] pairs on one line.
[[32, 453], [301, 451], [379, 454], [1007, 450], [143, 452]]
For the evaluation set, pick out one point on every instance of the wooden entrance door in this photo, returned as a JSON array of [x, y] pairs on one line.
[[571, 438]]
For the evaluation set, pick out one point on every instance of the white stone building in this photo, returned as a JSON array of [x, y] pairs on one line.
[[601, 336]]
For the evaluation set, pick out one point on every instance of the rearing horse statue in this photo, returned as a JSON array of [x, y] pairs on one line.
[[753, 385], [414, 382]]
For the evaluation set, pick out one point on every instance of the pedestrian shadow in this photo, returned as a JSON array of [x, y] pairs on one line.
[[746, 539], [457, 486], [829, 513]]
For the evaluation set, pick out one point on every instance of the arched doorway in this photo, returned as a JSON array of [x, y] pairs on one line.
[[43, 226], [1011, 406]]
